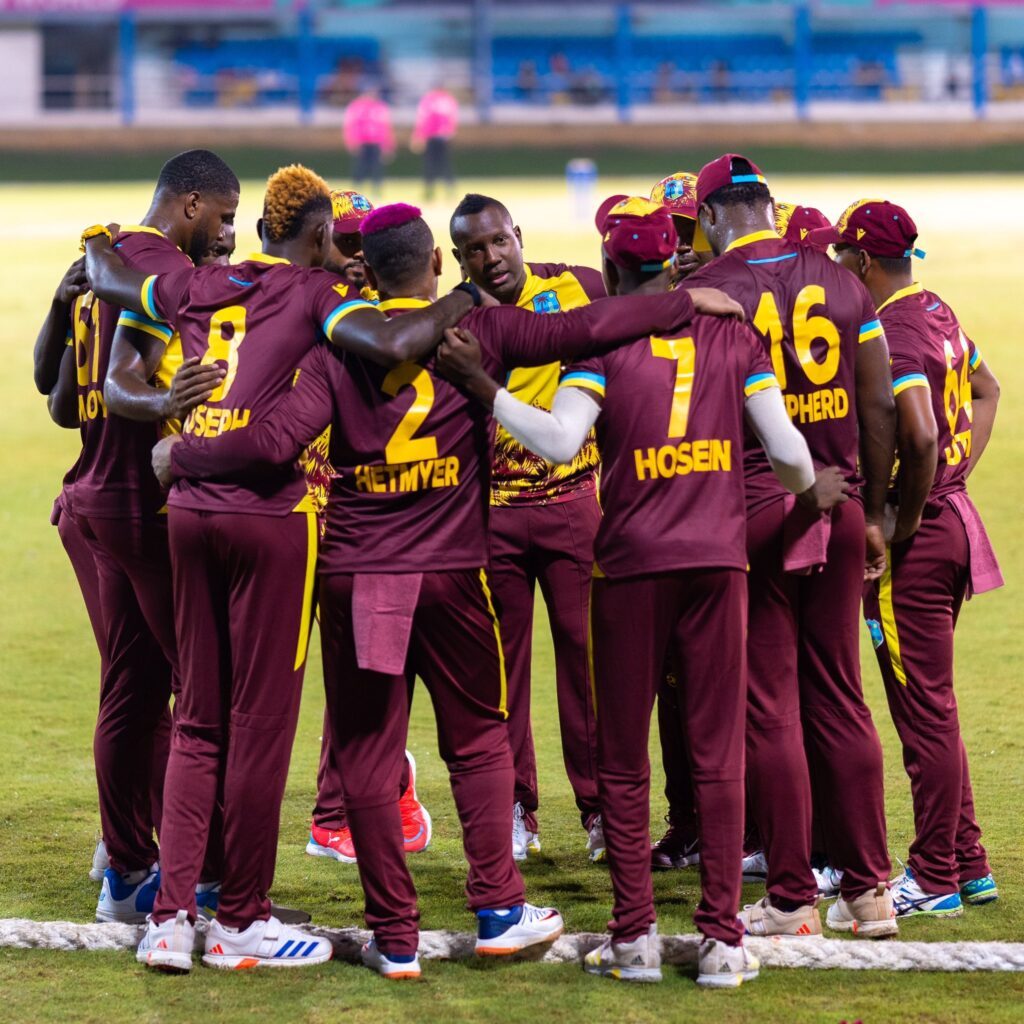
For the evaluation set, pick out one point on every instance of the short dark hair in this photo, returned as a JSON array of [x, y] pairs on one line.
[[398, 254], [473, 203], [893, 264], [750, 194], [197, 170]]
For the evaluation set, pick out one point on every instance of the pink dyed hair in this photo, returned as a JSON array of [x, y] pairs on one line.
[[392, 216]]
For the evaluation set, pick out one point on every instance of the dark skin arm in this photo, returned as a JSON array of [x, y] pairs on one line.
[[984, 400], [134, 358], [917, 438], [876, 412], [48, 354], [109, 278], [62, 401]]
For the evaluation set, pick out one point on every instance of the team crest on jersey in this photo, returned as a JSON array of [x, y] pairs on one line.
[[546, 302]]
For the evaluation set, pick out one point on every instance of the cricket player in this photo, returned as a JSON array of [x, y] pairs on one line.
[[828, 353], [543, 522], [402, 584], [938, 554], [668, 574]]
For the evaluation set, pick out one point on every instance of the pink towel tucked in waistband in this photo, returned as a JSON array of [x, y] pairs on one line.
[[984, 569], [805, 537], [383, 605]]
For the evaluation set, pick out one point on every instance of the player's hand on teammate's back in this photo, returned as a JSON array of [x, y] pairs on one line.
[[161, 459], [73, 283], [875, 558], [193, 383], [714, 302], [458, 360], [828, 490]]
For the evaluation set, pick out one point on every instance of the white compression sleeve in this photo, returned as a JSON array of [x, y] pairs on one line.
[[787, 450], [555, 436]]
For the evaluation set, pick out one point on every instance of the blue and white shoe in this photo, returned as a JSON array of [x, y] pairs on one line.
[[263, 944], [507, 931], [979, 890], [207, 899], [909, 899], [168, 946], [390, 965], [124, 901]]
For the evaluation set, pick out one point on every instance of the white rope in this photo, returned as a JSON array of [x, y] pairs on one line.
[[681, 950]]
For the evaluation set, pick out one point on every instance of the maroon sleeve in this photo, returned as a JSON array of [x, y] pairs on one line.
[[758, 362], [166, 294], [590, 281], [513, 337], [277, 439]]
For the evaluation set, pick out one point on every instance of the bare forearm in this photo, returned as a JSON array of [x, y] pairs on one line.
[[50, 345], [133, 398], [876, 414], [917, 473], [981, 429], [110, 279], [62, 401]]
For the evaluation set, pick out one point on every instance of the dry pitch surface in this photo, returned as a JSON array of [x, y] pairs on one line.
[[48, 676]]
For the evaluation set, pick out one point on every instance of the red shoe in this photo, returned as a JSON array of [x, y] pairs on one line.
[[334, 843], [417, 827]]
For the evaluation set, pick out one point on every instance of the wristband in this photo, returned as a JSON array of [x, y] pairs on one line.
[[95, 231], [471, 290]]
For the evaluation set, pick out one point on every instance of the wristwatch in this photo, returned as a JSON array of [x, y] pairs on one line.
[[93, 232], [471, 290]]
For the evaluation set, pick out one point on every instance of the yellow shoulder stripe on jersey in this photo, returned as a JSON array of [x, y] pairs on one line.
[[263, 257], [911, 289], [400, 303], [909, 380], [588, 381], [340, 312], [756, 236], [137, 322], [975, 360], [872, 329], [888, 616], [143, 229], [759, 382]]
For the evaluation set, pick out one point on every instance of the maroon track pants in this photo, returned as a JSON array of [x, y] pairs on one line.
[[132, 736], [552, 545], [805, 694], [243, 594], [700, 616], [455, 648], [915, 607]]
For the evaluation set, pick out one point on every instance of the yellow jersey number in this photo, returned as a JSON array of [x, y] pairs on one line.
[[227, 332], [806, 330], [684, 352], [404, 446], [956, 395]]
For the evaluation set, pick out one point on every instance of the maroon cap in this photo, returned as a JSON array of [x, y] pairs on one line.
[[722, 172], [796, 224], [636, 233], [349, 209], [878, 227]]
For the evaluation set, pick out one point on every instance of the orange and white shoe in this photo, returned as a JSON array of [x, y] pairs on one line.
[[168, 946], [334, 843], [508, 931], [417, 827], [263, 944], [762, 918]]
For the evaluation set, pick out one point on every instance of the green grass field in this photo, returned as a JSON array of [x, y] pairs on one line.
[[49, 669]]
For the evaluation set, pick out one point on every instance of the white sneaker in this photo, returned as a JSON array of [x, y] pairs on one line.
[[639, 960], [722, 966], [595, 842], [124, 901], [523, 840], [910, 900], [507, 931], [168, 946], [393, 967], [755, 868], [828, 879], [762, 918], [872, 915], [263, 944], [100, 862]]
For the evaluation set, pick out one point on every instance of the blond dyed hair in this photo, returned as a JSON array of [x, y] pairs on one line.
[[292, 194]]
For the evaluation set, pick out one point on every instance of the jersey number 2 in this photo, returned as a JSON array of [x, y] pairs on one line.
[[404, 446], [684, 352]]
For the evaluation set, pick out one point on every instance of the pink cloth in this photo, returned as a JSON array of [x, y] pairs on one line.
[[383, 605], [984, 568], [437, 116], [805, 537], [367, 123]]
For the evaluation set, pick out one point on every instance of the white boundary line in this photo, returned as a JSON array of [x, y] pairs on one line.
[[679, 950]]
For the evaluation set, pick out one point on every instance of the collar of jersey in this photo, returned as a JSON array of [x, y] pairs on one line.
[[402, 303], [911, 289], [134, 229], [757, 236], [262, 257], [531, 286]]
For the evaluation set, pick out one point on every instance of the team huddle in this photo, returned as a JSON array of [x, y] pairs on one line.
[[713, 454]]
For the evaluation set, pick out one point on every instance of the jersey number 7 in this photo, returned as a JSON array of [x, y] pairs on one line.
[[684, 352]]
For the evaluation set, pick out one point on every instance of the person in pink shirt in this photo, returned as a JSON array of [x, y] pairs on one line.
[[437, 119], [369, 137]]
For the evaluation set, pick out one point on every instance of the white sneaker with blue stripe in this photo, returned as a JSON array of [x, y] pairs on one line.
[[511, 929], [263, 944], [910, 899], [128, 899]]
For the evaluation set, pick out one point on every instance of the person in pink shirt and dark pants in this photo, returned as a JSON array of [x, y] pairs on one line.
[[437, 119], [369, 137]]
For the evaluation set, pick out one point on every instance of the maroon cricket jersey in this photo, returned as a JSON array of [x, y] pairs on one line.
[[113, 475], [671, 434], [411, 453], [260, 318], [811, 315], [928, 348]]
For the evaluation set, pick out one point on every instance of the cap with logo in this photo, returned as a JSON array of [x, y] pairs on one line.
[[877, 226], [636, 233], [678, 194], [349, 209], [795, 223], [728, 169]]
